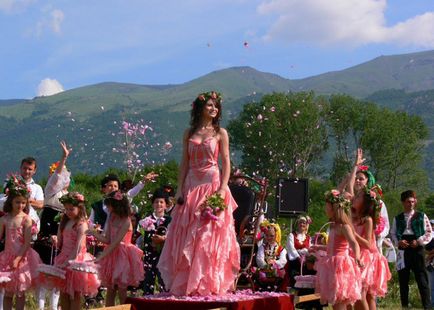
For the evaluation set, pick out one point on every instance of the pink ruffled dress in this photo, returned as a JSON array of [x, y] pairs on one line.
[[76, 281], [25, 277], [381, 271], [124, 265], [338, 276], [201, 256], [366, 257]]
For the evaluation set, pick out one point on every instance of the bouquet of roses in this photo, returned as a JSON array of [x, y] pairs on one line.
[[147, 224], [212, 207]]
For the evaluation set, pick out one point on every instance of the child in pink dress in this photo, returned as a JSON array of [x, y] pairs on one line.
[[18, 259], [120, 264], [338, 276], [71, 239], [367, 204]]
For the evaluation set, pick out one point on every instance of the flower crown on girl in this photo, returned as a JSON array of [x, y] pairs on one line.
[[266, 225], [338, 200], [74, 198], [15, 185], [375, 193], [204, 97]]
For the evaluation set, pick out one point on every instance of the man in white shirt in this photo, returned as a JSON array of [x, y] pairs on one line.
[[27, 170], [411, 231]]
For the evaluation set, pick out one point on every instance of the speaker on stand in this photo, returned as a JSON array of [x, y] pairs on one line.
[[292, 197]]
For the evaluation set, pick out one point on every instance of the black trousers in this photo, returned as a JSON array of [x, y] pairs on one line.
[[414, 259]]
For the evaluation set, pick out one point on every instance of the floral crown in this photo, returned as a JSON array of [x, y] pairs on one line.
[[15, 185], [266, 225], [337, 199], [74, 198], [375, 193], [204, 97], [305, 218]]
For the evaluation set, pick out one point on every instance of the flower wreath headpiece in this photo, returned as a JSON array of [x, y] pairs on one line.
[[204, 97], [16, 185], [74, 198], [375, 193], [266, 225], [338, 200]]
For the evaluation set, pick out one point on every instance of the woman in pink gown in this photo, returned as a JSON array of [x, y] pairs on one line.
[[201, 256]]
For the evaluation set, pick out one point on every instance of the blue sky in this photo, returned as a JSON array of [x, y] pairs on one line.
[[49, 46]]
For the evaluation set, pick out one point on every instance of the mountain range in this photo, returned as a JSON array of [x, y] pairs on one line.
[[90, 118]]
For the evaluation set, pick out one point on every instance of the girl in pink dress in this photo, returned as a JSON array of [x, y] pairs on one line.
[[71, 239], [18, 259], [120, 264], [376, 273], [201, 256], [338, 275]]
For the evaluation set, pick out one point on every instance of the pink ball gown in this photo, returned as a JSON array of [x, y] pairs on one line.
[[124, 265], [366, 257], [381, 272], [201, 256], [75, 281], [25, 276], [338, 276]]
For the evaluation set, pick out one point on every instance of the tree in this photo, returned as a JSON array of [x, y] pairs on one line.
[[392, 140], [282, 134]]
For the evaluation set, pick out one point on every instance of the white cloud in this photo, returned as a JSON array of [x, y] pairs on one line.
[[57, 17], [48, 87], [9, 6], [353, 22], [52, 23]]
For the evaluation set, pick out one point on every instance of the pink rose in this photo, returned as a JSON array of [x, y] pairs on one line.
[[335, 192], [79, 197], [363, 168]]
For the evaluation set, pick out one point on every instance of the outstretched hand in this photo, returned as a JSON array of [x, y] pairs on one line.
[[359, 157], [65, 149], [151, 176]]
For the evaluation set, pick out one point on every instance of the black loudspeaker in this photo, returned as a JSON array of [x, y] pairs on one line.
[[291, 196]]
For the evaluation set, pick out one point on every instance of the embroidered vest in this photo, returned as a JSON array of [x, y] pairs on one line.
[[100, 216], [301, 245], [416, 222]]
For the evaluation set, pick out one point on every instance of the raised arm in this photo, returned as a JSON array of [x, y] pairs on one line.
[[226, 162], [61, 177], [65, 154]]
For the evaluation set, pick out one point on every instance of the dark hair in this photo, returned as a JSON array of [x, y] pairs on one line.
[[119, 203], [82, 216], [197, 110], [126, 185], [368, 207], [160, 193], [108, 178], [169, 190], [408, 194], [28, 160], [7, 207]]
